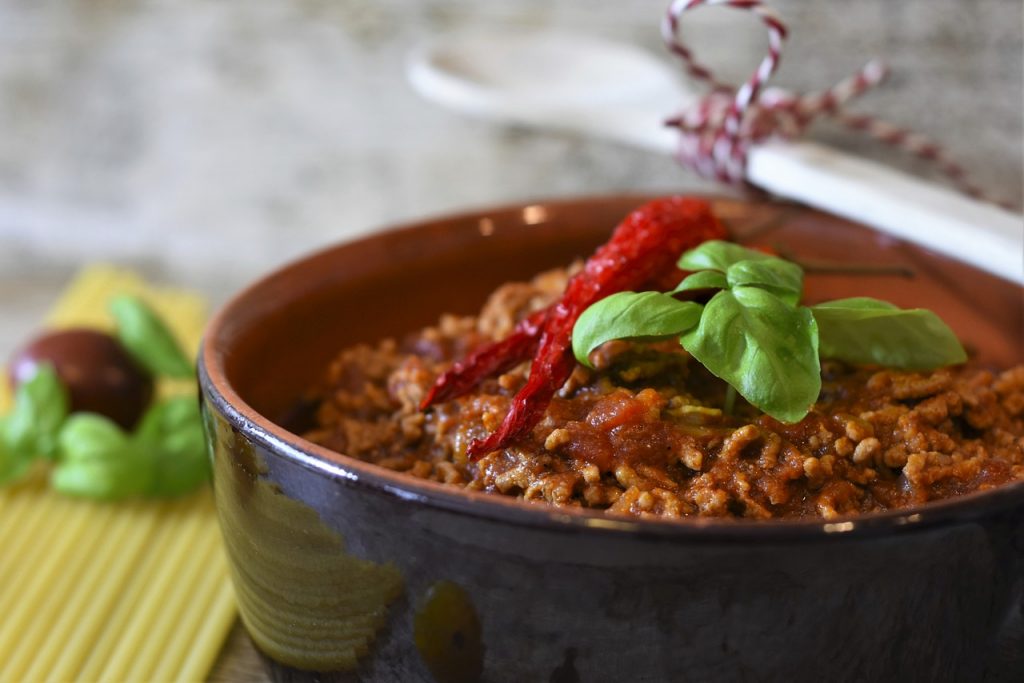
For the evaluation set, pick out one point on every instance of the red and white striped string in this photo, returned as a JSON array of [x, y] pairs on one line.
[[716, 133]]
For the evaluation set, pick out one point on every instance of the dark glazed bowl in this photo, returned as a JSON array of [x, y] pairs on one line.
[[346, 571]]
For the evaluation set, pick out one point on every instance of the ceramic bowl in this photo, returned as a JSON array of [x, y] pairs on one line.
[[347, 571]]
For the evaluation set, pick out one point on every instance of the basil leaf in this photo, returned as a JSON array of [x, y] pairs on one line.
[[151, 428], [704, 279], [766, 349], [782, 278], [128, 475], [90, 436], [867, 331], [172, 431], [97, 460], [13, 464], [167, 417], [40, 406], [183, 465], [718, 255], [148, 340], [628, 315]]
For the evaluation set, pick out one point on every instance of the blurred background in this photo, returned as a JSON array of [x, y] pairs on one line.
[[205, 142]]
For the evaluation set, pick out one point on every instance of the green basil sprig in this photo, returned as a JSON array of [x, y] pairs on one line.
[[754, 334], [93, 457], [165, 456], [98, 460]]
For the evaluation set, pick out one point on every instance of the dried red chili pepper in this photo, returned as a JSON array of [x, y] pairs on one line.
[[487, 361], [643, 247]]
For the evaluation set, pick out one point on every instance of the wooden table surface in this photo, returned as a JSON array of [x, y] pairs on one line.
[[238, 661]]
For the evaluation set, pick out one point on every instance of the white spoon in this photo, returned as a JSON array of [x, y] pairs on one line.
[[619, 92]]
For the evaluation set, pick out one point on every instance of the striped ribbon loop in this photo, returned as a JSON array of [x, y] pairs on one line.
[[717, 132]]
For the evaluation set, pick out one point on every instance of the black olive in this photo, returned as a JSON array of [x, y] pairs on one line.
[[100, 375]]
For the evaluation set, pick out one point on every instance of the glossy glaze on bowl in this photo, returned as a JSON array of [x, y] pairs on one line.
[[359, 573]]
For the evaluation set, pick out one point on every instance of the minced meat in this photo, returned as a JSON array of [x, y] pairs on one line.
[[644, 432]]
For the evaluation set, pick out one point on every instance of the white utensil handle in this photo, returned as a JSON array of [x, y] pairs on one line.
[[940, 219], [892, 202]]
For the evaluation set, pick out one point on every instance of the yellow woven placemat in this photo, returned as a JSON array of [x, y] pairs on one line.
[[133, 591]]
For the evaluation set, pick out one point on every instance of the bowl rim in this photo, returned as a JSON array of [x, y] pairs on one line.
[[217, 390]]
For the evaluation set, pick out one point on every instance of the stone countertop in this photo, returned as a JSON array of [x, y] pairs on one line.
[[205, 143]]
